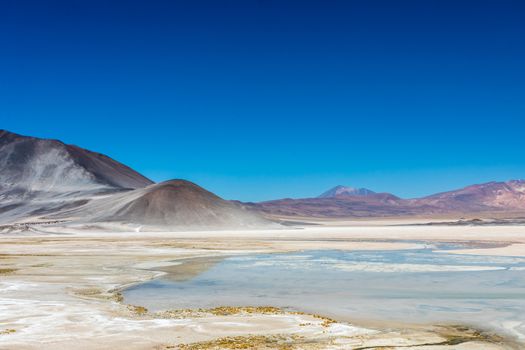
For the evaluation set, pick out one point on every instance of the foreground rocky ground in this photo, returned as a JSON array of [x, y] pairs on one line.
[[61, 289]]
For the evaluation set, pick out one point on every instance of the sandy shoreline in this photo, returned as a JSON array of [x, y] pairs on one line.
[[514, 249], [59, 291]]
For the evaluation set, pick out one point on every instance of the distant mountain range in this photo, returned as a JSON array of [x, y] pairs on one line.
[[45, 180], [344, 191], [340, 202], [509, 195]]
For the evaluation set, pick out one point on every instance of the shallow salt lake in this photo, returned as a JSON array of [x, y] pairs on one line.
[[414, 286]]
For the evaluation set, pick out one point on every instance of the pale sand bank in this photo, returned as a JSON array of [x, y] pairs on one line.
[[516, 249]]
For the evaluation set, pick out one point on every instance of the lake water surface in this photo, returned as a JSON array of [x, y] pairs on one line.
[[416, 286]]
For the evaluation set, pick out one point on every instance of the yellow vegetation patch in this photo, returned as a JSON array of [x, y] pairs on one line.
[[180, 313], [7, 331], [221, 311], [326, 321], [257, 342], [234, 310], [457, 334], [138, 310], [117, 296], [99, 294], [42, 265], [7, 271], [88, 292]]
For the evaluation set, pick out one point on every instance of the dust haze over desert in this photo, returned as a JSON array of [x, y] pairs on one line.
[[243, 174]]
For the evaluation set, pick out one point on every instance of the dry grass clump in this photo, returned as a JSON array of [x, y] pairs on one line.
[[326, 321], [117, 296], [257, 342], [449, 335], [42, 265], [241, 310], [7, 271], [97, 293], [88, 292], [7, 331], [138, 310], [179, 313], [457, 334], [221, 311], [235, 310]]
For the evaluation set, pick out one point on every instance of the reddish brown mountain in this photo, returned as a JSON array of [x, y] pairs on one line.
[[492, 196], [175, 204], [508, 195], [378, 204]]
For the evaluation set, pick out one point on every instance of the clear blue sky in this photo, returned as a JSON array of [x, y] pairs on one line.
[[267, 99]]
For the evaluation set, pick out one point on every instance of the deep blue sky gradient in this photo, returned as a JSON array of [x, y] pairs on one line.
[[263, 99]]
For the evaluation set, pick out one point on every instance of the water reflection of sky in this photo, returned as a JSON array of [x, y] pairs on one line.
[[406, 285]]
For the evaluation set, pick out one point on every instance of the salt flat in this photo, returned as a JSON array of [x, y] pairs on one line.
[[61, 289]]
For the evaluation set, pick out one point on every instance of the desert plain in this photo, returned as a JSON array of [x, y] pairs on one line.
[[62, 288]]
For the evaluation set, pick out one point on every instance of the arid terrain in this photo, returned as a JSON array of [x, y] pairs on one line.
[[261, 174], [79, 230], [62, 289]]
